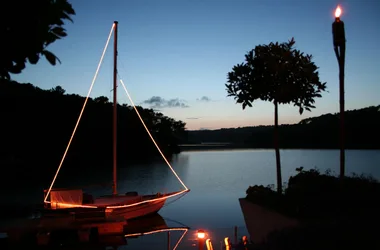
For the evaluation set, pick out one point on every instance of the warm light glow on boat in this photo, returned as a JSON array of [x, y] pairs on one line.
[[201, 234], [163, 230], [338, 12], [69, 205], [110, 208], [148, 201]]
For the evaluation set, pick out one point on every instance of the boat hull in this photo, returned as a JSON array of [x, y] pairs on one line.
[[128, 206], [137, 211], [127, 210]]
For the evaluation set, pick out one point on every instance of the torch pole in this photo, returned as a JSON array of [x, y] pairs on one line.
[[339, 39], [342, 109]]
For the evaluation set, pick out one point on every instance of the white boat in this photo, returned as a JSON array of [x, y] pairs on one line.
[[130, 205]]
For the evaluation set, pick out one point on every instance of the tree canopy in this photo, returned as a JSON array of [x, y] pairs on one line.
[[280, 74], [276, 73], [27, 28]]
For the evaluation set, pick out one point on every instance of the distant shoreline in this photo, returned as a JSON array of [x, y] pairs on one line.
[[227, 146]]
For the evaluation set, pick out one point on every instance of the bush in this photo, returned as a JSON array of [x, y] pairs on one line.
[[328, 236], [312, 195], [265, 196]]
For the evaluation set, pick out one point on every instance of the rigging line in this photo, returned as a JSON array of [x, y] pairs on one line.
[[168, 219], [180, 239], [179, 197], [157, 231], [151, 137], [81, 113], [123, 66], [160, 231]]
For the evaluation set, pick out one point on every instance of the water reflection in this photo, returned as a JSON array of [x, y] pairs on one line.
[[143, 233], [143, 178], [217, 180], [155, 225]]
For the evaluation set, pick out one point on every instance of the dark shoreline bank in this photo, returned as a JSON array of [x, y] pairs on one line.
[[201, 147]]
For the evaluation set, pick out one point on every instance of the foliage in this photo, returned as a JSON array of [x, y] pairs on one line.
[[37, 124], [280, 74], [266, 196], [315, 132], [58, 90], [329, 236], [333, 212], [27, 29], [312, 195], [276, 73], [101, 99]]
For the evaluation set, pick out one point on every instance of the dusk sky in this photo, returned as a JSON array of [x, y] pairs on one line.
[[178, 52]]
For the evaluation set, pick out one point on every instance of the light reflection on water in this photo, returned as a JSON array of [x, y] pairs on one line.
[[217, 179]]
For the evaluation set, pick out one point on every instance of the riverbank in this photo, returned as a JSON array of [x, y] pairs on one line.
[[331, 213], [261, 221], [231, 146]]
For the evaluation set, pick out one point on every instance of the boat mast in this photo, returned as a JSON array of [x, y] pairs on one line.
[[114, 186]]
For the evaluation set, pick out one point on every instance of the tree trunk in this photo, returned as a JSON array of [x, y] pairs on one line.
[[278, 161]]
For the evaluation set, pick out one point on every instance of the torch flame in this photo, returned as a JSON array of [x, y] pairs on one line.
[[338, 11]]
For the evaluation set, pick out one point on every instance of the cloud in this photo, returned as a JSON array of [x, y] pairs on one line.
[[204, 99], [158, 102], [192, 118]]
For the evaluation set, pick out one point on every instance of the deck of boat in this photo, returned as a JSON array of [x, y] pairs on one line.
[[116, 200]]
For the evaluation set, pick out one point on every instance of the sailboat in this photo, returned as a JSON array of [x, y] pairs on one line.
[[129, 205]]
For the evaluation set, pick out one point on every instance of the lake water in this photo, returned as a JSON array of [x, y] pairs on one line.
[[217, 180]]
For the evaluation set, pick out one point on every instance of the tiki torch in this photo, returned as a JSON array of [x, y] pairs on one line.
[[339, 40], [201, 238]]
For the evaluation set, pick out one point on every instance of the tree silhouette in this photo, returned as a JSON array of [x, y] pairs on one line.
[[280, 74], [101, 99], [58, 90], [27, 28], [36, 124]]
